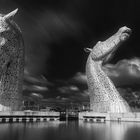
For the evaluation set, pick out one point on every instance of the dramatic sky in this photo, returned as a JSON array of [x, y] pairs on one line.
[[57, 31]]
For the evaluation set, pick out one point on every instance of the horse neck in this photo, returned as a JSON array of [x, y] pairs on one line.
[[11, 79], [96, 77], [93, 68]]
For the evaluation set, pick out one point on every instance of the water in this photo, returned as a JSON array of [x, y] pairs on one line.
[[73, 130]]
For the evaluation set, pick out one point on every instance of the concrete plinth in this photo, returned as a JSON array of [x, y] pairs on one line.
[[28, 116], [20, 120], [14, 119], [34, 119], [7, 119], [102, 117], [41, 119]]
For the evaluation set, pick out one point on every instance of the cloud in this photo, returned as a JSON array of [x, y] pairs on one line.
[[68, 93], [35, 88], [35, 79], [41, 29], [125, 72], [68, 89], [80, 80], [35, 85], [72, 93], [39, 88], [58, 91], [36, 95], [80, 77]]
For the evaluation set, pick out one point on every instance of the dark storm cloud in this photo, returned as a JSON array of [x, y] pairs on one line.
[[42, 29]]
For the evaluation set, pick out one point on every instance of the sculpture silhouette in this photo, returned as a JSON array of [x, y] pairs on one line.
[[104, 97], [11, 63]]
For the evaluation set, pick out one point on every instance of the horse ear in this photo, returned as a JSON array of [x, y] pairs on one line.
[[87, 49], [10, 15]]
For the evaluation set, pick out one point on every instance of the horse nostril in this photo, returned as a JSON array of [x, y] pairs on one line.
[[125, 30]]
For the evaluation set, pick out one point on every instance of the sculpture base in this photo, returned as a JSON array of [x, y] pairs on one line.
[[102, 117]]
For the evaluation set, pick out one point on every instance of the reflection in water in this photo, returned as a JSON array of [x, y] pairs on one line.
[[73, 130], [110, 130]]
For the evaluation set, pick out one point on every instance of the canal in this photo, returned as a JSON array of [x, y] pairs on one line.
[[70, 130]]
